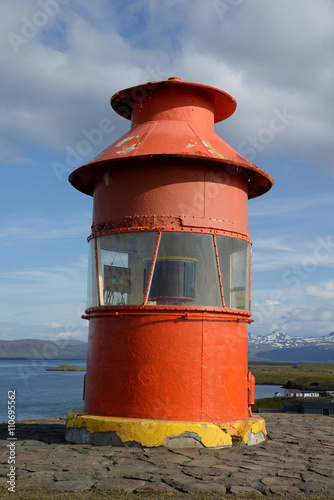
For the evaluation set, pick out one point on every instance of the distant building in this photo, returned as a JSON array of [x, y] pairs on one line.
[[321, 407], [308, 394], [297, 393], [293, 393], [327, 394]]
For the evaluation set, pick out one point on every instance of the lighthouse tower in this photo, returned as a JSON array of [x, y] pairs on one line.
[[169, 288]]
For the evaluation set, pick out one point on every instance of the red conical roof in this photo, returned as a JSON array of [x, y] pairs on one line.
[[172, 118]]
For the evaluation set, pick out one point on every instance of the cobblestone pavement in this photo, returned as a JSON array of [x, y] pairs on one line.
[[298, 457]]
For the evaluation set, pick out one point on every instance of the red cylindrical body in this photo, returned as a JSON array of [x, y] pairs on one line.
[[169, 278], [167, 366]]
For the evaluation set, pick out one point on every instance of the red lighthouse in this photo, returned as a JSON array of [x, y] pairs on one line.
[[169, 276]]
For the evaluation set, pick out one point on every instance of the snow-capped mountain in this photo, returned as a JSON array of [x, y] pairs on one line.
[[279, 346], [279, 339]]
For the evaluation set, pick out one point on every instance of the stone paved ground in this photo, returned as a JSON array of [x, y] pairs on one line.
[[298, 458]]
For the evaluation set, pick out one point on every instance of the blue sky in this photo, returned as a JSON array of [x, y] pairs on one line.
[[61, 62]]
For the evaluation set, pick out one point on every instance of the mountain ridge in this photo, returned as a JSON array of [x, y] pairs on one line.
[[42, 349], [278, 346]]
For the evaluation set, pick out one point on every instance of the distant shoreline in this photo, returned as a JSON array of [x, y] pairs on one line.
[[66, 368], [41, 358]]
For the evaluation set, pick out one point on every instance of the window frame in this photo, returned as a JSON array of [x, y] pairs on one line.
[[248, 268]]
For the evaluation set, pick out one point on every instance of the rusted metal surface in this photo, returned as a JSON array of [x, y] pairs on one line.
[[172, 223], [132, 101], [182, 312], [170, 174], [104, 229], [182, 193]]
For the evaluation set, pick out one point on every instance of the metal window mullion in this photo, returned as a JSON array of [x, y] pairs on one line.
[[219, 273], [148, 286], [97, 272]]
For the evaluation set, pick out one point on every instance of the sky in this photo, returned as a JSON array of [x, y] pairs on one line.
[[61, 62]]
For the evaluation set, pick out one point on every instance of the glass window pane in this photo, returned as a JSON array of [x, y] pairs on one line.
[[186, 271], [234, 261], [121, 267], [92, 299]]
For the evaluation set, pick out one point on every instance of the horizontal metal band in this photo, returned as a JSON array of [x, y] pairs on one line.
[[109, 228], [188, 313]]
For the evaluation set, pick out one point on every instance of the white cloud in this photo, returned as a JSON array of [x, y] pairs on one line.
[[60, 83], [36, 281], [271, 302], [295, 320], [68, 335], [10, 155], [281, 242], [24, 330], [297, 310], [30, 230], [323, 290], [292, 207], [102, 54], [309, 314], [54, 324], [45, 300], [275, 67], [299, 258]]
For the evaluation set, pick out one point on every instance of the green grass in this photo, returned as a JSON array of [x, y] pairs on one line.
[[43, 494], [66, 368], [302, 375], [271, 403]]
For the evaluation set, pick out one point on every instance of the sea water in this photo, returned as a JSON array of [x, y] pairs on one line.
[[40, 393]]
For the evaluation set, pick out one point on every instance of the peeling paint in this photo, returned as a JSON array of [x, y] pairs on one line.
[[153, 433], [242, 428], [191, 144], [129, 149], [150, 433], [212, 149], [126, 140], [106, 178]]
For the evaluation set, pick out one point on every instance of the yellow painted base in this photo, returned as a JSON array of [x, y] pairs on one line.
[[98, 430]]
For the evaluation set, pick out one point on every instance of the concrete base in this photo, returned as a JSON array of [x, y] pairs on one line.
[[111, 431]]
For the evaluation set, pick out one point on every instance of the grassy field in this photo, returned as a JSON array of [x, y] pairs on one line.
[[66, 368], [153, 495], [271, 403], [301, 375]]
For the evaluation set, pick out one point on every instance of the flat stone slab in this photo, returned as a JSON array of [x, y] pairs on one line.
[[296, 459]]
